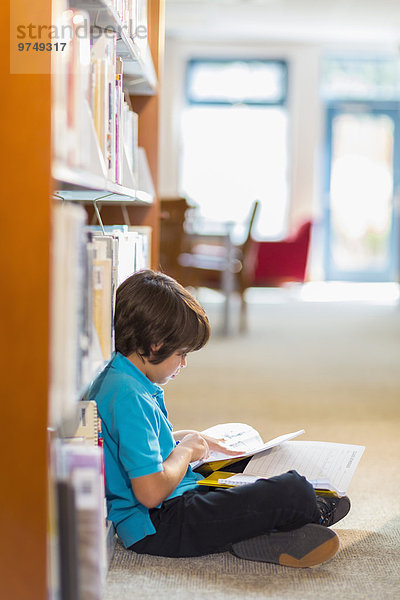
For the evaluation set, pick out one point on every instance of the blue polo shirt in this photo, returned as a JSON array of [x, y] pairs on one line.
[[137, 440]]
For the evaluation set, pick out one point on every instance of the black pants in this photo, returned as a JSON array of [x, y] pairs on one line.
[[207, 520]]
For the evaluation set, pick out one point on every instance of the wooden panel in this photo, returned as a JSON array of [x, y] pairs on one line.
[[25, 218]]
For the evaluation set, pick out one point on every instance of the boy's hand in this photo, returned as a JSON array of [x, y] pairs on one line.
[[220, 445], [214, 444], [197, 444]]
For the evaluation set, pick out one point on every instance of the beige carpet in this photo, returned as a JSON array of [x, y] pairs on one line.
[[332, 369]]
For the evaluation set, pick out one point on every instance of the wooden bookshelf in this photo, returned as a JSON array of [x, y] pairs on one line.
[[26, 204]]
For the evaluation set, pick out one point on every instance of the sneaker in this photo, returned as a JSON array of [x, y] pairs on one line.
[[307, 546], [332, 509]]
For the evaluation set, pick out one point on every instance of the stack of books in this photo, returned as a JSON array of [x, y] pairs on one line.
[[82, 527]]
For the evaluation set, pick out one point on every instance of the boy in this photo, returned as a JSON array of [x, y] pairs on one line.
[[152, 495]]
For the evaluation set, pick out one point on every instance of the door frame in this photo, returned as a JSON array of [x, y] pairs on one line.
[[391, 272]]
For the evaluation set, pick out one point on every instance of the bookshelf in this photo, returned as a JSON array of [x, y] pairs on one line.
[[29, 180]]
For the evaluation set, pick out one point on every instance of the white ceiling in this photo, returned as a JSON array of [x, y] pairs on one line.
[[368, 22]]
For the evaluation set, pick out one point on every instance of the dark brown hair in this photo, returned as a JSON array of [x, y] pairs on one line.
[[152, 309]]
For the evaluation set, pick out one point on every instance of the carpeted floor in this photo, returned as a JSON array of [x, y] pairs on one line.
[[332, 369]]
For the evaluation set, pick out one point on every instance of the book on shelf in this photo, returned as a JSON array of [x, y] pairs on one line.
[[118, 253], [131, 128], [115, 123], [52, 525], [68, 541], [70, 337], [144, 246], [79, 468], [327, 466], [103, 284], [131, 14], [71, 76], [88, 431], [104, 100], [141, 28], [117, 170]]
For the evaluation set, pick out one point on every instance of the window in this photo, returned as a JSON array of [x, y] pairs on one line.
[[234, 142], [229, 82], [360, 78]]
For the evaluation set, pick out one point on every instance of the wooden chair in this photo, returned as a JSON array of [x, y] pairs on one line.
[[215, 262], [248, 257], [173, 238]]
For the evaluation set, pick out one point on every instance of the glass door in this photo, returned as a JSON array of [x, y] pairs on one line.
[[361, 182]]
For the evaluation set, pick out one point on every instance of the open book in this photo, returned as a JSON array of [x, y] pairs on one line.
[[240, 437], [327, 466]]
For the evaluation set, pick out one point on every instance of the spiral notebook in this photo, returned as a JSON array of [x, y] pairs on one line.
[[89, 428]]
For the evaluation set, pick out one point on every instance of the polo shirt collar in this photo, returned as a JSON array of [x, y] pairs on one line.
[[122, 363]]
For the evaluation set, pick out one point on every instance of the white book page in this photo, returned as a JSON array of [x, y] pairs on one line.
[[236, 436], [317, 461], [243, 438]]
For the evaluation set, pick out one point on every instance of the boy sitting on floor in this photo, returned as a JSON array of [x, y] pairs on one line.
[[152, 495]]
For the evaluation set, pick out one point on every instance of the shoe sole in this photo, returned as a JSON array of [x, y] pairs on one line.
[[307, 546]]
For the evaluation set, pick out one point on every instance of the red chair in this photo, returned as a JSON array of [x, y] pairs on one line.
[[278, 262], [271, 264]]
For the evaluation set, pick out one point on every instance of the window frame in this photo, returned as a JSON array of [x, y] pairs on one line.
[[190, 101]]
